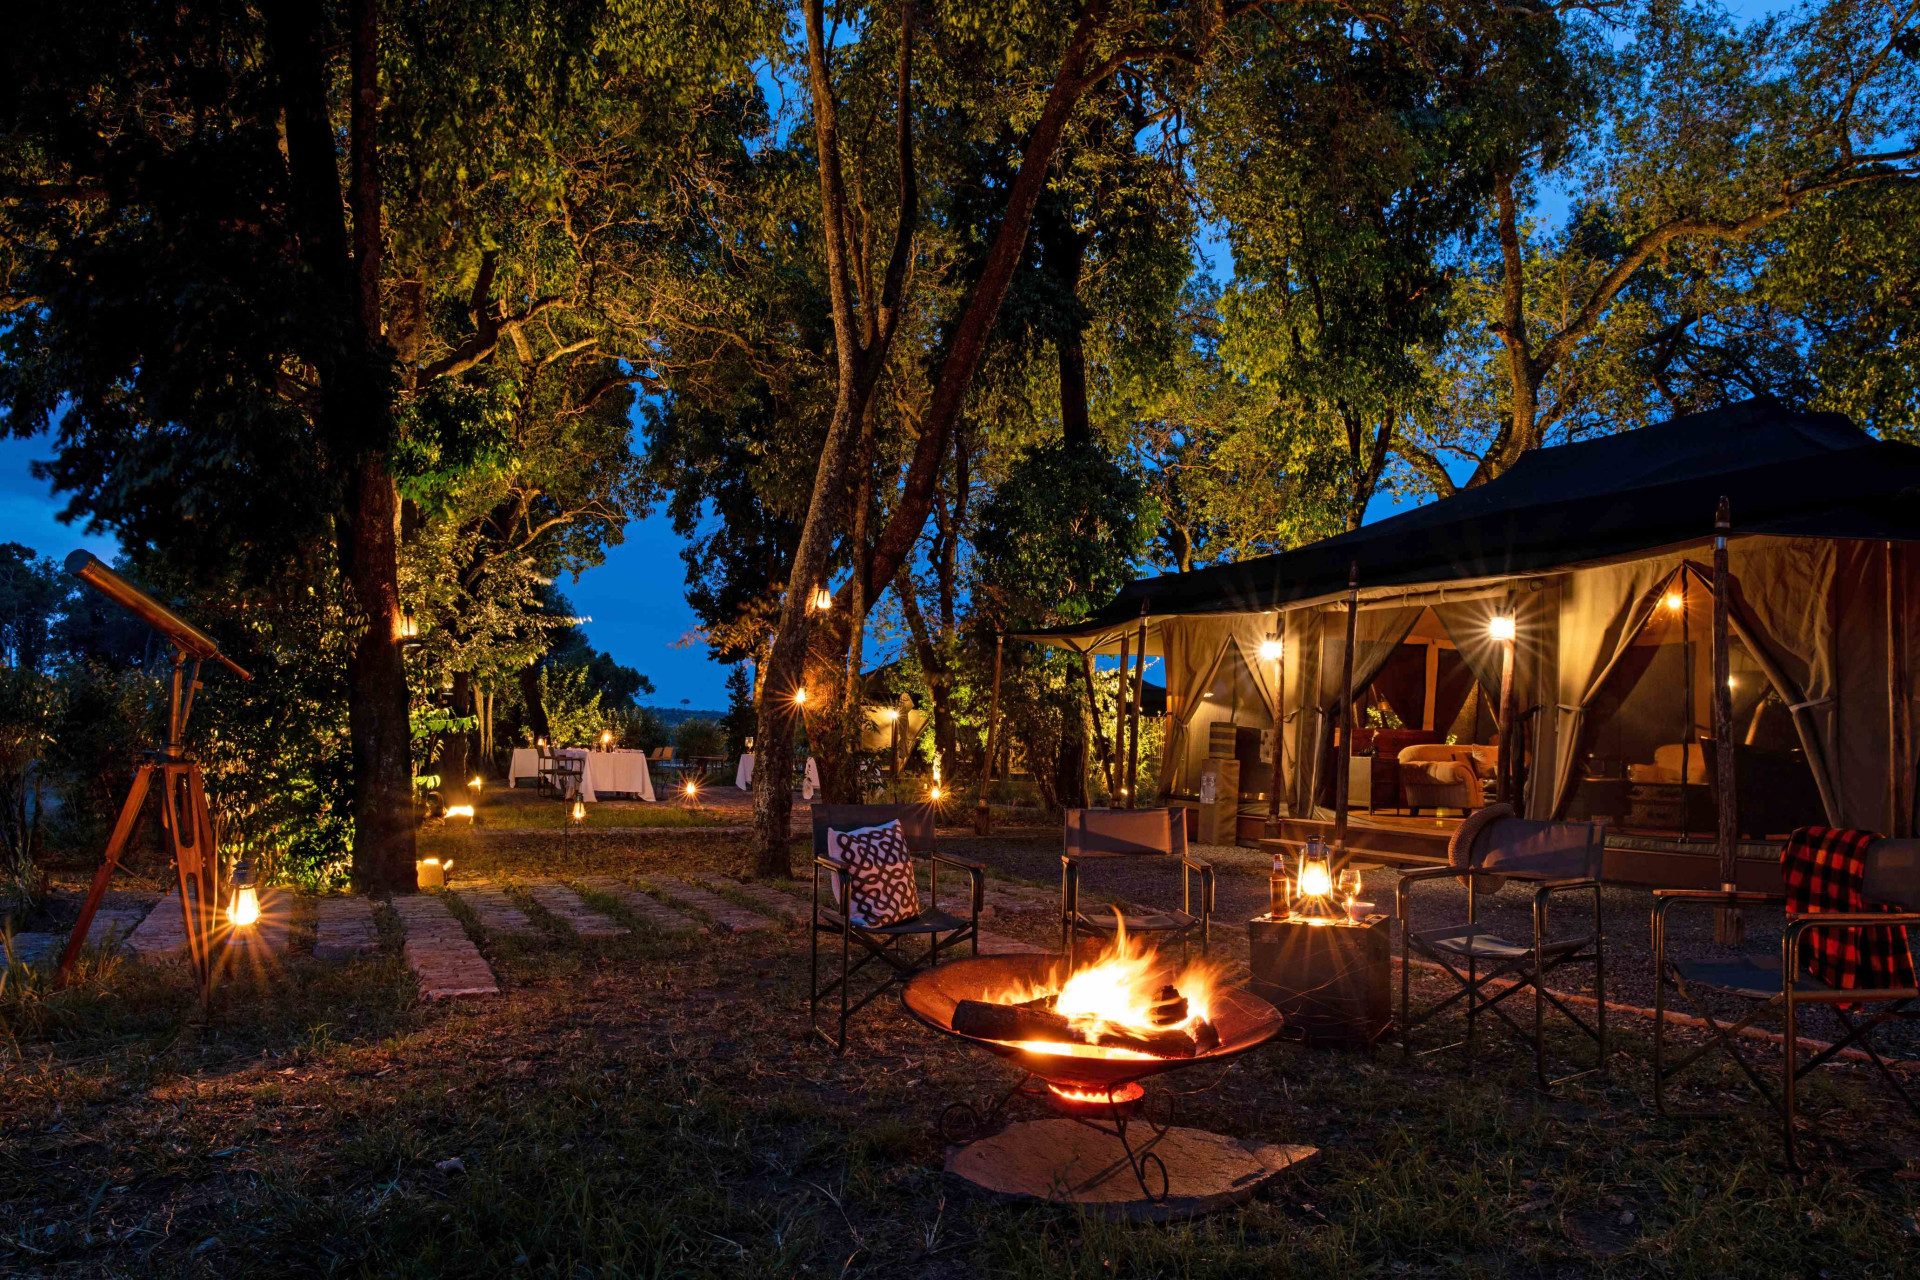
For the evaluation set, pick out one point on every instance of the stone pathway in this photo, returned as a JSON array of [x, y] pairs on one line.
[[345, 928], [439, 951], [565, 904], [162, 935], [795, 903], [729, 915], [496, 912], [119, 915], [643, 906]]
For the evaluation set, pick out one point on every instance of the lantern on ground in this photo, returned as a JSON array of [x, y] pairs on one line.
[[800, 696], [244, 908], [431, 873], [460, 813], [692, 792], [578, 814], [473, 788]]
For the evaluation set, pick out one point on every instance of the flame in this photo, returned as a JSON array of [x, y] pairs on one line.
[[1117, 990], [1315, 880], [1130, 1092], [460, 811]]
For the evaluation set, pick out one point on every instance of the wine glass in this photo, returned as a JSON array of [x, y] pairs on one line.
[[1350, 883]]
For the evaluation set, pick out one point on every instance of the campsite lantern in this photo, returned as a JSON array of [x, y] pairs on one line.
[[1313, 893], [1675, 601], [431, 873], [933, 793], [457, 812], [244, 910], [800, 696], [1272, 649], [693, 792], [473, 788], [821, 601], [1500, 627], [409, 627], [606, 739], [578, 814]]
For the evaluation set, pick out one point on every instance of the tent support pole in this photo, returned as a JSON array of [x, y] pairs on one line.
[[1118, 796], [982, 814], [1509, 731], [1093, 712], [1899, 760], [1729, 927], [1279, 718], [1342, 759], [1139, 696]]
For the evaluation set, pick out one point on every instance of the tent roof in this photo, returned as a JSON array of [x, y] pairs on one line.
[[1784, 473]]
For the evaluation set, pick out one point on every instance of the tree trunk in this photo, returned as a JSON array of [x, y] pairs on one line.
[[933, 665], [455, 767], [383, 846], [1070, 768], [536, 709]]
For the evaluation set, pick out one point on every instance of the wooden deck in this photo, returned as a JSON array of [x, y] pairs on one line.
[[1651, 861]]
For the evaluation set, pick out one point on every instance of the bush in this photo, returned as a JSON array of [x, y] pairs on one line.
[[699, 738], [638, 728]]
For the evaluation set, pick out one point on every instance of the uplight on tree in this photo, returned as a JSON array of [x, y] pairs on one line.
[[800, 696]]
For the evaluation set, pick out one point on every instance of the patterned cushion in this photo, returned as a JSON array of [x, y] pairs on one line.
[[880, 886]]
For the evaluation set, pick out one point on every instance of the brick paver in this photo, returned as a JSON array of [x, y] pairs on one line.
[[162, 935], [644, 907], [565, 904], [345, 928], [496, 912], [439, 951], [729, 915]]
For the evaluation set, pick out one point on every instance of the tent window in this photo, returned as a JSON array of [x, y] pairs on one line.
[[1647, 755]]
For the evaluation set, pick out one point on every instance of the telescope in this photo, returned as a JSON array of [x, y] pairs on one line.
[[175, 774], [190, 640]]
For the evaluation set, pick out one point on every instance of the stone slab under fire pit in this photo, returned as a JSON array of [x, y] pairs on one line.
[[1055, 1160]]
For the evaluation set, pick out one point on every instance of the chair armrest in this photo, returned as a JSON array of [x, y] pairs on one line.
[[1432, 873], [1564, 886], [1797, 924], [976, 873], [1187, 867], [1720, 897]]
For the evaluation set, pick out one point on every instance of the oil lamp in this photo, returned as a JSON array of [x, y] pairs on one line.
[[473, 787], [1313, 901], [578, 814], [244, 910], [1500, 626], [1271, 650], [409, 627], [431, 873], [606, 739]]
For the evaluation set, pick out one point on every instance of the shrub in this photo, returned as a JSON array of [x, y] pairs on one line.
[[699, 738]]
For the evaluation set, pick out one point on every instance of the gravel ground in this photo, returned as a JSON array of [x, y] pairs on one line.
[[1241, 893]]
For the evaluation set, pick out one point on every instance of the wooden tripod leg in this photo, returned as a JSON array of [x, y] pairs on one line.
[[209, 869], [122, 832], [187, 827]]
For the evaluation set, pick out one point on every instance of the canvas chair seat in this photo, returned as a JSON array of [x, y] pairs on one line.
[[1472, 942], [1138, 920], [930, 920], [1752, 977]]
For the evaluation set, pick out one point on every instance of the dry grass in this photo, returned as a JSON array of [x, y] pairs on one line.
[[649, 1106]]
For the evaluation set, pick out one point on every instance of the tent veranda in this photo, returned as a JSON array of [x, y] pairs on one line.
[[1581, 543]]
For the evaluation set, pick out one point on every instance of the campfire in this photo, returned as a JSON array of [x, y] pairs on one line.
[[1122, 1006]]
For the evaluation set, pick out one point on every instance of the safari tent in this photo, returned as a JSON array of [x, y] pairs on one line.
[[1600, 552]]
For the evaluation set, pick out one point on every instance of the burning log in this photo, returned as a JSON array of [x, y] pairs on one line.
[[1031, 1021]]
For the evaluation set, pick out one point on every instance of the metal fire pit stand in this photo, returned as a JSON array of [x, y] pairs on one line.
[[961, 1124]]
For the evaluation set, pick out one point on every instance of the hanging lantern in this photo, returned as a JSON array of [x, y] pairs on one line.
[[409, 627], [244, 909], [1500, 626], [1271, 649], [821, 600]]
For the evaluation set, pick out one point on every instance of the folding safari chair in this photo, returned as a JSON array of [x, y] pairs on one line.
[[885, 945], [543, 780], [568, 770], [1892, 880], [1132, 833], [1555, 858]]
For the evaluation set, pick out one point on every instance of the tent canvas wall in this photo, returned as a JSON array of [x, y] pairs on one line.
[[1579, 542]]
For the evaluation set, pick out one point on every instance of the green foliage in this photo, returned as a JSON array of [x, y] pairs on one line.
[[698, 738], [638, 728], [107, 715], [1060, 534], [29, 708], [573, 708]]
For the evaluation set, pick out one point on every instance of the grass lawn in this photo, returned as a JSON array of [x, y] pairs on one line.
[[649, 1106], [500, 808]]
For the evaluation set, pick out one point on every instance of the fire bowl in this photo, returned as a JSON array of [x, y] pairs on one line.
[[1244, 1020]]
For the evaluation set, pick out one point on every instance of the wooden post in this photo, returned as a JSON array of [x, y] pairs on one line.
[[1503, 774], [982, 814], [1899, 760], [1139, 696], [1729, 928], [1342, 759], [1279, 718], [1687, 720], [1120, 717]]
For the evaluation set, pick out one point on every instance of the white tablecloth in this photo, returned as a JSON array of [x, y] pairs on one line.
[[743, 776], [624, 771]]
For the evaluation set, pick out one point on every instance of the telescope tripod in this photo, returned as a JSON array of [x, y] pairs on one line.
[[183, 816]]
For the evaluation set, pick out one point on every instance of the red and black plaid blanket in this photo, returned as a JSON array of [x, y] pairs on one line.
[[1824, 868]]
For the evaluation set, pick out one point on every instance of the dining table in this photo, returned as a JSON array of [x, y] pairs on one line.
[[743, 776], [614, 772]]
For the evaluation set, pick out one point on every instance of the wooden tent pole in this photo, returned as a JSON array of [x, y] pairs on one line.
[[1139, 696], [982, 814], [1121, 703], [1342, 758], [1729, 928], [1899, 765], [1509, 731], [1279, 717]]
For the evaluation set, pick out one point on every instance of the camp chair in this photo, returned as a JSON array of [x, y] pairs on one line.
[[1132, 833], [1554, 857], [942, 930], [1892, 879]]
